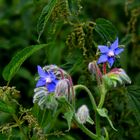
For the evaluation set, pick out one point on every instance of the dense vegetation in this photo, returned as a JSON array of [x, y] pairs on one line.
[[67, 33]]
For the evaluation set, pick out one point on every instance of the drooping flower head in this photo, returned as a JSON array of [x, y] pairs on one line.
[[46, 78], [62, 88], [52, 82], [108, 53], [82, 114], [95, 70]]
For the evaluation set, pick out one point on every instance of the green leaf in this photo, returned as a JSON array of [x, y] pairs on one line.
[[126, 40], [90, 121], [11, 69], [43, 116], [106, 29], [133, 94], [68, 116], [44, 17], [104, 113], [5, 107]]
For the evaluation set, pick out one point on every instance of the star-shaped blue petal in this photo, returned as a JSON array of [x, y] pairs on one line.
[[108, 54], [47, 79]]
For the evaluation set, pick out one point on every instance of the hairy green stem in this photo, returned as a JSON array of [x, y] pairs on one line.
[[19, 125], [89, 93], [97, 120], [44, 112], [85, 130], [81, 126], [102, 91], [97, 117]]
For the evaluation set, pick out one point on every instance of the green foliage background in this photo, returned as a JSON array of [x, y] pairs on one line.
[[22, 24]]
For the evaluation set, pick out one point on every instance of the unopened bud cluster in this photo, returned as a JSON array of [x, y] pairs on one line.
[[116, 76]]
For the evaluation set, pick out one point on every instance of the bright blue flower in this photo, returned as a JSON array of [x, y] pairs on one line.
[[47, 79], [108, 54]]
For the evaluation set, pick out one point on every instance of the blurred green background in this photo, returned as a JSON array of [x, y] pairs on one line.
[[18, 29]]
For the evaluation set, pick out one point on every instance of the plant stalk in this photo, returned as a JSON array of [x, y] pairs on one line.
[[102, 91], [85, 130], [89, 94], [18, 123], [97, 117]]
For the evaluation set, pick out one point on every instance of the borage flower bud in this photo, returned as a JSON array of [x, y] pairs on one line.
[[115, 76], [91, 68], [123, 76], [59, 73], [95, 70], [82, 114], [62, 88]]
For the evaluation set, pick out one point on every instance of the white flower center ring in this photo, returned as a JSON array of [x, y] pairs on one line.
[[110, 53], [48, 80]]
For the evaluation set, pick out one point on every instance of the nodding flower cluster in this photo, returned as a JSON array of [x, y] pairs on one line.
[[54, 83], [52, 80], [108, 55]]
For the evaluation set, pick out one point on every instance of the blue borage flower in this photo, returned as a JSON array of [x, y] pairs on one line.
[[108, 54], [52, 82], [46, 78]]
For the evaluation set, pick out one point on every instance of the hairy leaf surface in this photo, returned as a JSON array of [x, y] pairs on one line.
[[13, 66], [106, 29]]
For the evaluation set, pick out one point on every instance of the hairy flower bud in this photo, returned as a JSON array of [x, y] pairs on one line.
[[91, 68], [82, 114], [95, 70], [116, 76], [59, 73], [62, 88]]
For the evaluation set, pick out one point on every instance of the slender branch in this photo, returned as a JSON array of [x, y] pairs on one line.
[[97, 117], [44, 112], [72, 89], [85, 130], [18, 123], [104, 68], [89, 93], [81, 126], [97, 120], [102, 91]]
